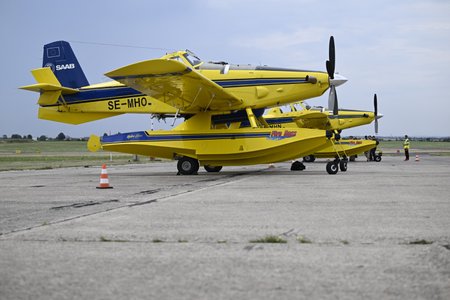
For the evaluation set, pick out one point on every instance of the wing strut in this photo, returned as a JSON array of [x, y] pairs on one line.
[[175, 117], [251, 117], [209, 103]]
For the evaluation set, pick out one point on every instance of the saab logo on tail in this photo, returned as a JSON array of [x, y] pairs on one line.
[[51, 66], [65, 67]]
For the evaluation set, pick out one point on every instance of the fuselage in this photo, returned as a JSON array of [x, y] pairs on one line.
[[256, 87]]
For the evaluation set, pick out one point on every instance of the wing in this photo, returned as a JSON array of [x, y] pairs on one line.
[[174, 83], [313, 119], [312, 115]]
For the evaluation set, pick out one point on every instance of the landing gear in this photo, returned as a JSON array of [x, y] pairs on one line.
[[332, 167], [297, 166], [378, 156], [187, 166], [214, 169], [309, 159], [343, 165]]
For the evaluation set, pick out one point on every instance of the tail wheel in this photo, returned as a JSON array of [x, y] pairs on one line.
[[213, 168], [343, 165], [332, 167], [309, 158], [187, 166]]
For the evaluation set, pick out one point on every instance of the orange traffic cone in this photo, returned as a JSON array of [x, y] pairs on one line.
[[104, 181], [417, 157]]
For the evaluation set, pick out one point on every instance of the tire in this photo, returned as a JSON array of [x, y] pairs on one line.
[[309, 158], [377, 158], [343, 165], [332, 167], [187, 166], [213, 169], [353, 157]]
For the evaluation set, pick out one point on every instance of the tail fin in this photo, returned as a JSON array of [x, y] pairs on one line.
[[59, 57]]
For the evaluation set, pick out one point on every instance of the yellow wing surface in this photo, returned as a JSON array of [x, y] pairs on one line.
[[175, 84]]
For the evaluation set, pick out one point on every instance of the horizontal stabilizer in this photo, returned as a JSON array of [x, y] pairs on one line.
[[52, 113], [48, 85]]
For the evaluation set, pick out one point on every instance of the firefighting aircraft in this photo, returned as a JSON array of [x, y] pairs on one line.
[[335, 120], [211, 96]]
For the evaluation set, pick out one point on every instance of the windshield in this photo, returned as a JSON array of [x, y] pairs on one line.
[[192, 59]]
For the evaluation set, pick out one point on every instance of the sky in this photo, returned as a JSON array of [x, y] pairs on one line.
[[399, 50]]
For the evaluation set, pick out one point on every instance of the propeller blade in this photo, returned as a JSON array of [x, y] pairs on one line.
[[375, 105], [375, 111], [335, 107], [333, 101], [331, 62]]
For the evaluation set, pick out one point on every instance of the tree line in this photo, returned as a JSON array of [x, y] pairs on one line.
[[60, 137]]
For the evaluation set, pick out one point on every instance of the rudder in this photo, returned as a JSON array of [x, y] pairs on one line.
[[60, 57]]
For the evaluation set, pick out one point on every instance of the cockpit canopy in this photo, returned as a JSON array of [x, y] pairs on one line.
[[186, 57]]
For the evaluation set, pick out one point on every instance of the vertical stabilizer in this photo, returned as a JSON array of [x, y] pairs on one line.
[[63, 62]]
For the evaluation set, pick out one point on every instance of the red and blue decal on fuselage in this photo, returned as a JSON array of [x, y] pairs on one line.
[[280, 135]]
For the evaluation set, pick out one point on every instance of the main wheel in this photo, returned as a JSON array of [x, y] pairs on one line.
[[212, 168], [309, 158], [377, 158], [353, 157], [343, 165], [332, 167], [188, 165]]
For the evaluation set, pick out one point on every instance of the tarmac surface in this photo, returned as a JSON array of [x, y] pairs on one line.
[[377, 231]]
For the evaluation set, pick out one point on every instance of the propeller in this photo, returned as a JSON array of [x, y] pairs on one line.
[[335, 79], [375, 112]]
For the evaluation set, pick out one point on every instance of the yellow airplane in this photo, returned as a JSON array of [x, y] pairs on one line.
[[304, 116], [190, 85], [336, 120], [206, 94]]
